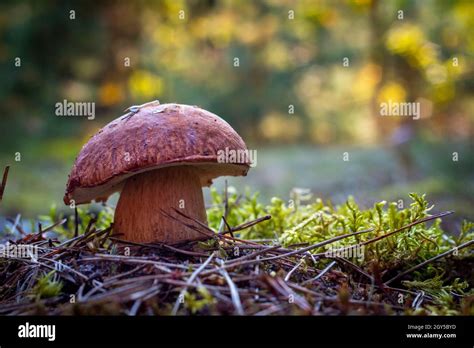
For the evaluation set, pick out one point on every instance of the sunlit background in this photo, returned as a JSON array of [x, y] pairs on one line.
[[301, 81]]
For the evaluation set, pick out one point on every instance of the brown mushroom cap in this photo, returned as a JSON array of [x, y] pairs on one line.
[[158, 135]]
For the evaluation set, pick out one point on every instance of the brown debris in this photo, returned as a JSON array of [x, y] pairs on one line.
[[106, 275]]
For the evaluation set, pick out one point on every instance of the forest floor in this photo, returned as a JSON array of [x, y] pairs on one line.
[[94, 272]]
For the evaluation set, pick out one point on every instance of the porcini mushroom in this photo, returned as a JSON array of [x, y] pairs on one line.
[[159, 156]]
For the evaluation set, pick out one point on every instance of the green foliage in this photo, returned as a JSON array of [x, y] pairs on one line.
[[47, 286], [435, 287], [467, 232], [317, 222], [444, 302], [103, 220], [294, 223], [196, 302]]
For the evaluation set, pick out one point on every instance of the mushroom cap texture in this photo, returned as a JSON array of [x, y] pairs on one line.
[[158, 135]]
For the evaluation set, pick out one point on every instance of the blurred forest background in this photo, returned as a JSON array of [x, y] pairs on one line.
[[301, 81]]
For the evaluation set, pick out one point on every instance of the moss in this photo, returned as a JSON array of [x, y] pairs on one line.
[[317, 222], [47, 287], [198, 300], [448, 282]]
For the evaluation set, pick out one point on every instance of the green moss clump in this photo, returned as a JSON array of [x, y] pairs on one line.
[[196, 301], [47, 286], [316, 222]]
